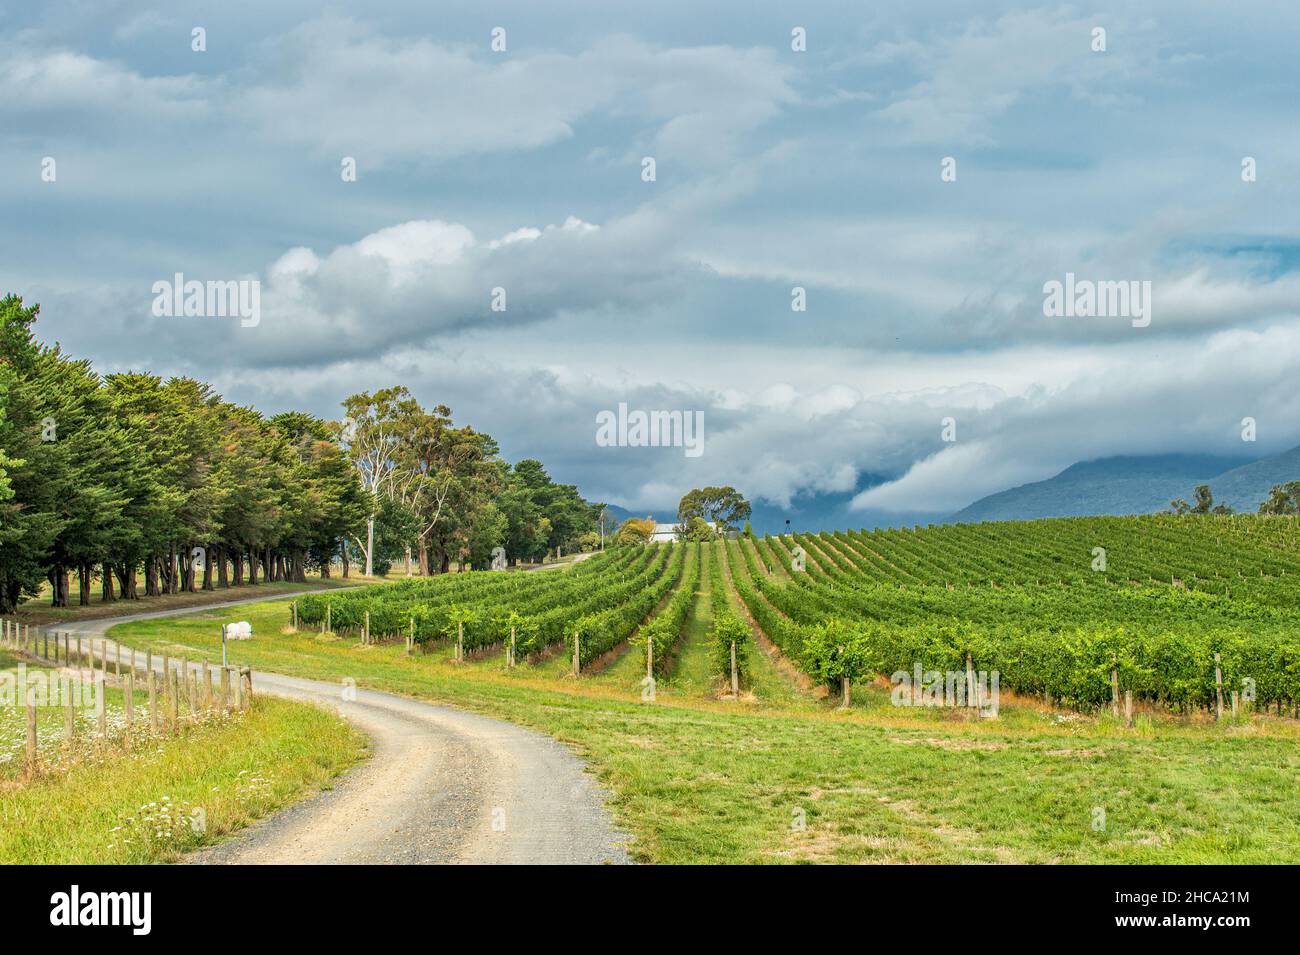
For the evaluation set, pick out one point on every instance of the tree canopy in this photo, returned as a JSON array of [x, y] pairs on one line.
[[110, 476], [724, 506]]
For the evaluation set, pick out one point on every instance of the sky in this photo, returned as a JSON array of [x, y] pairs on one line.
[[920, 170]]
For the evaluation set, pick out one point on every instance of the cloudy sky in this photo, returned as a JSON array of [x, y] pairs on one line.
[[774, 168]]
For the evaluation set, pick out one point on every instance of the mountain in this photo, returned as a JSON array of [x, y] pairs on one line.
[[1138, 485], [1245, 487]]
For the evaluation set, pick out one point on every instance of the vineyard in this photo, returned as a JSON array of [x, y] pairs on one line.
[[1176, 612]]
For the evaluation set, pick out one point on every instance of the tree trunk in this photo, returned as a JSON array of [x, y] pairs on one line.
[[84, 574], [151, 586], [444, 566], [126, 577], [207, 569], [370, 546], [169, 570], [252, 566], [106, 591], [61, 585], [344, 552], [9, 597], [424, 559], [237, 566], [222, 580]]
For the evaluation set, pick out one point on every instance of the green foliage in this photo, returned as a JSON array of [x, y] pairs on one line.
[[729, 629], [105, 476], [1283, 499], [837, 648], [724, 506], [664, 632], [697, 530]]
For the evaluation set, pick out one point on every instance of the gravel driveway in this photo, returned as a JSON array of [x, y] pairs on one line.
[[441, 785]]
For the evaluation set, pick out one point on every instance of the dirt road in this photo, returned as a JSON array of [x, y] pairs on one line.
[[441, 785]]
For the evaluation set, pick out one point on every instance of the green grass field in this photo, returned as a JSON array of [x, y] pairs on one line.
[[782, 776], [139, 798]]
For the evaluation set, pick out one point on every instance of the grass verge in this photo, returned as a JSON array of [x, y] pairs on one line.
[[141, 798]]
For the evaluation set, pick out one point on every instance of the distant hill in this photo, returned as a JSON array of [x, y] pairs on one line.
[[1138, 485], [1245, 487]]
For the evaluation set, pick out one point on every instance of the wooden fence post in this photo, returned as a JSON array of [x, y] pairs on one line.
[[510, 659], [130, 701], [31, 738], [1114, 686], [735, 674], [649, 658], [577, 653], [225, 688], [174, 699], [103, 658], [460, 641], [410, 640], [239, 690], [970, 681], [153, 701], [328, 620], [365, 634], [45, 645], [1218, 685], [1234, 704], [81, 657], [101, 703], [1128, 707], [148, 661], [184, 682], [69, 718], [846, 684], [118, 665]]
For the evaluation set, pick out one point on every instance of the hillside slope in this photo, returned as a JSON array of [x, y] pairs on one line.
[[1137, 485]]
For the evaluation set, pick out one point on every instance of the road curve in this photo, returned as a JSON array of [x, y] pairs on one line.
[[441, 786]]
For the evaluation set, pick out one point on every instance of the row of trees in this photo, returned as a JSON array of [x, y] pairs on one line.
[[1203, 503], [126, 475], [440, 493], [1283, 499]]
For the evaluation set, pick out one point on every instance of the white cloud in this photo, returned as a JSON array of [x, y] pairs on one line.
[[344, 90]]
